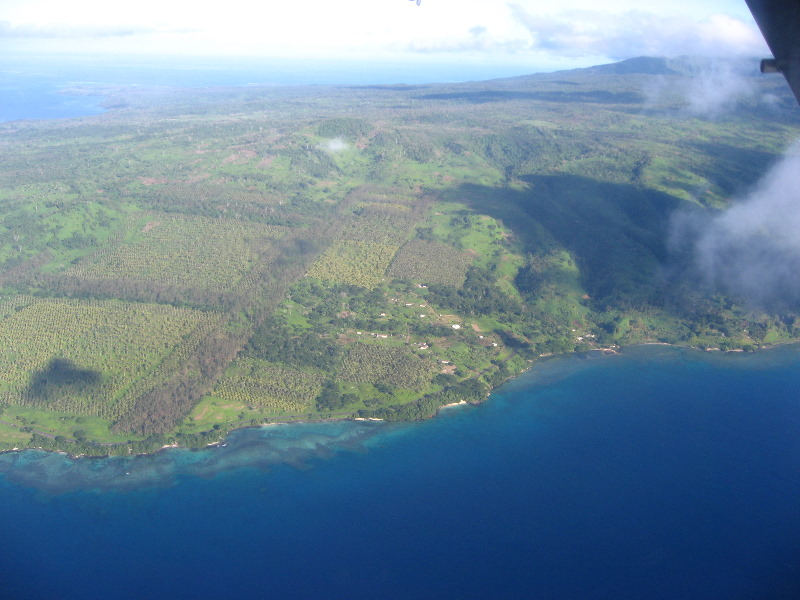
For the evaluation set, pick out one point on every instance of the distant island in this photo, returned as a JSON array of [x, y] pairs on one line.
[[194, 261]]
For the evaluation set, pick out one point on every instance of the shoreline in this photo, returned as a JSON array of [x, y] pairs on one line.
[[452, 404], [610, 351]]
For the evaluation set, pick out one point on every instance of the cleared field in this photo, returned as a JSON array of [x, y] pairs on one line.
[[90, 357], [367, 363], [259, 383], [182, 250], [354, 263], [430, 262]]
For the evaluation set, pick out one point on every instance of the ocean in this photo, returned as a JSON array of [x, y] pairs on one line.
[[31, 87], [658, 473]]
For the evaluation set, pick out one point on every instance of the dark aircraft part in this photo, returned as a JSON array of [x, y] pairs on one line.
[[770, 65], [779, 21]]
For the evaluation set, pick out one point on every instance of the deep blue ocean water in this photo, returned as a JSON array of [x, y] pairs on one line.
[[659, 473]]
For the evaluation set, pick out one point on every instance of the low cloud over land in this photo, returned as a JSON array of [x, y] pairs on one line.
[[335, 145], [716, 86], [752, 249]]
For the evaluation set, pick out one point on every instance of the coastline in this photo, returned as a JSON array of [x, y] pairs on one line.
[[221, 441], [351, 479], [452, 404]]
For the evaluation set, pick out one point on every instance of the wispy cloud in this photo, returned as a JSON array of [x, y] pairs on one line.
[[753, 248], [716, 87], [475, 39], [334, 145], [9, 30], [524, 31], [636, 33], [718, 90]]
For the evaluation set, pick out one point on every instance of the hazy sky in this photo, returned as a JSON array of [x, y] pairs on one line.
[[563, 33]]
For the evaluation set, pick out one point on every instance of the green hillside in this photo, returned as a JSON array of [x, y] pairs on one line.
[[197, 260]]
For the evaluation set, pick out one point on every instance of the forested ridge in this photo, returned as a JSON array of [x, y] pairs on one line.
[[196, 260]]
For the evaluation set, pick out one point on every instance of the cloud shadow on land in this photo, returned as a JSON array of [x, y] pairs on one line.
[[617, 233], [730, 167], [59, 376]]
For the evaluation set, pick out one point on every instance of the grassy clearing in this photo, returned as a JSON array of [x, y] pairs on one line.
[[54, 423], [484, 237], [212, 411], [44, 220], [11, 436]]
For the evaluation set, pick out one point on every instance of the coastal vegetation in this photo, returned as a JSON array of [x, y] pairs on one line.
[[192, 261]]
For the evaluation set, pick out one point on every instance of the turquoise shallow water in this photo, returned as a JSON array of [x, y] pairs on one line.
[[661, 473]]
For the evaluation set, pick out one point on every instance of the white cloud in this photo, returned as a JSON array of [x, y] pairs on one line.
[[637, 33], [752, 248], [334, 145], [718, 90], [717, 87], [53, 31], [524, 30]]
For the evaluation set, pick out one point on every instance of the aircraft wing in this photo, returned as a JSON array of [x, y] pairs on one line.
[[779, 21]]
